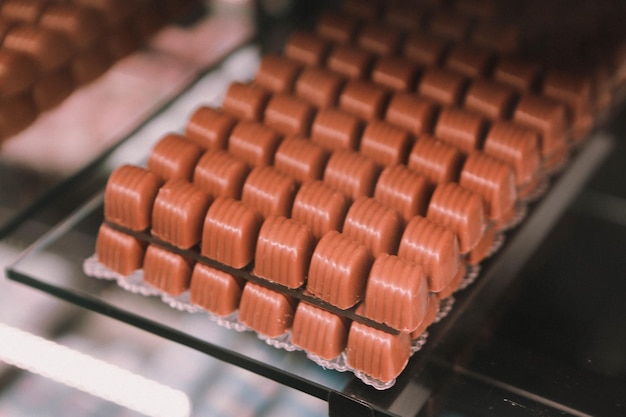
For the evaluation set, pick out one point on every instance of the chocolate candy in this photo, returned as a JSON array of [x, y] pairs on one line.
[[403, 190], [230, 232], [493, 180], [216, 291], [269, 192], [81, 26], [453, 286], [118, 251], [120, 41], [178, 212], [575, 92], [442, 86], [350, 61], [432, 310], [129, 197], [17, 73], [52, 88], [289, 115], [167, 271], [434, 247], [268, 312], [374, 225], [396, 293], [16, 113], [318, 331], [450, 25], [90, 64], [483, 247], [320, 207], [49, 50], [518, 147], [377, 353], [253, 143], [425, 49], [460, 210], [339, 269], [435, 160], [461, 128], [519, 74], [319, 87], [490, 99], [306, 48], [209, 128], [277, 74], [245, 101], [218, 173], [385, 143], [337, 26], [404, 15], [113, 11], [300, 159], [25, 11], [395, 73], [410, 112], [283, 251], [366, 10], [503, 39], [379, 39], [336, 129], [470, 61], [363, 99], [351, 173], [174, 156]]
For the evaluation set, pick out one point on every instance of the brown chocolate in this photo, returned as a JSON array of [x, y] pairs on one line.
[[366, 10], [433, 246], [147, 20], [277, 74], [453, 286], [320, 207], [24, 11], [174, 156], [470, 61], [16, 113], [90, 64], [17, 73], [319, 86], [450, 25], [339, 269], [216, 291], [569, 88], [306, 48], [114, 11], [410, 112], [379, 39], [432, 310], [519, 74], [403, 190], [318, 331], [377, 353], [395, 73], [269, 192], [218, 173], [461, 210], [493, 180], [129, 196], [443, 86], [337, 26], [461, 128], [118, 251], [245, 101], [350, 61], [351, 173], [483, 247], [404, 15], [435, 160], [49, 50], [230, 232], [268, 312], [167, 271], [518, 147], [178, 212], [120, 41], [373, 224], [425, 49], [81, 26], [396, 293], [385, 143], [335, 129], [283, 251], [52, 88], [253, 143], [289, 115], [300, 159], [490, 99], [545, 116], [210, 128], [363, 99], [503, 39]]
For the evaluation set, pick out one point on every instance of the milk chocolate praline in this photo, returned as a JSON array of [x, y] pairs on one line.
[[306, 48], [245, 101], [268, 312], [289, 115], [118, 251], [373, 224], [385, 143], [318, 331], [364, 99], [351, 173], [254, 143], [350, 61], [218, 173], [335, 129], [300, 159], [269, 192], [174, 156], [413, 113], [167, 271], [320, 207], [277, 74], [436, 160], [17, 73], [214, 290], [210, 128], [403, 190]]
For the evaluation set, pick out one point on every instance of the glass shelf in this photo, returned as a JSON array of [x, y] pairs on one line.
[[73, 240]]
